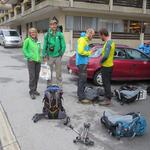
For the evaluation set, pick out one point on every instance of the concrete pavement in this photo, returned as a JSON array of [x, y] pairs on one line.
[[52, 134]]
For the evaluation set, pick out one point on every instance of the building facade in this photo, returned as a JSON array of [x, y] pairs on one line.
[[128, 21]]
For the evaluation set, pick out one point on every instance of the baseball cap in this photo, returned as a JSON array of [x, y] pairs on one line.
[[53, 21]]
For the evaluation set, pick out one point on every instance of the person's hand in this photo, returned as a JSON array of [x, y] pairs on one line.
[[93, 50]]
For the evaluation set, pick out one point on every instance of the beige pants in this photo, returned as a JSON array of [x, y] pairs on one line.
[[55, 63]]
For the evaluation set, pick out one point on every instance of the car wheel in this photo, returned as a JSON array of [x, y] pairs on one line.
[[4, 45], [98, 78]]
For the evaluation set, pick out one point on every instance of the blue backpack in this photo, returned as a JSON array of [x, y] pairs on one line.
[[129, 125]]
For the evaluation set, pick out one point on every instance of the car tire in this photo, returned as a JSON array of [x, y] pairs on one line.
[[98, 78], [4, 45]]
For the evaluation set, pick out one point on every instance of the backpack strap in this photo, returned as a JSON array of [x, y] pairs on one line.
[[60, 50], [48, 35]]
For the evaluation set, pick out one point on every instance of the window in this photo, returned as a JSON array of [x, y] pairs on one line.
[[118, 26], [134, 54], [103, 23], [42, 26], [119, 54], [69, 22], [77, 23], [10, 33], [88, 22]]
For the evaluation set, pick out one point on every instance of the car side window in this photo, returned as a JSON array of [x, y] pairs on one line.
[[134, 54], [119, 54]]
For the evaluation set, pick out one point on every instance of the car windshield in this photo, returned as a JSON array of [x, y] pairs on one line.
[[10, 33], [97, 52]]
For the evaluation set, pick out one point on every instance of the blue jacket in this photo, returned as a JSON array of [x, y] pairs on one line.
[[144, 48], [83, 51]]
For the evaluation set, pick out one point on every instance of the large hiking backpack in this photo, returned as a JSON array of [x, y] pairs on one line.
[[53, 103], [129, 125], [53, 108], [127, 94]]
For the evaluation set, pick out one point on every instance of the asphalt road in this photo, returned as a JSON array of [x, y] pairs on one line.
[[52, 134]]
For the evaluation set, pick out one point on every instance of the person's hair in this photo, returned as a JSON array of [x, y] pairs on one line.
[[32, 30], [104, 32], [90, 31]]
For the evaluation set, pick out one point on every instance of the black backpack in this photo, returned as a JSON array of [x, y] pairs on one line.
[[53, 103], [53, 108], [127, 94], [93, 93]]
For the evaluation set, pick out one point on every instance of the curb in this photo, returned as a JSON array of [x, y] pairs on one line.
[[7, 137]]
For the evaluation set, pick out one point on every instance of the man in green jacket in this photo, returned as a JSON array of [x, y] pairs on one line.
[[53, 50]]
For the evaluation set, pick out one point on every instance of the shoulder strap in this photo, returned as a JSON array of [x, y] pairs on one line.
[[60, 44], [48, 35]]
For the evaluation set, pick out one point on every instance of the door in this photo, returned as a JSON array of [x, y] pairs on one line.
[[121, 65], [140, 64]]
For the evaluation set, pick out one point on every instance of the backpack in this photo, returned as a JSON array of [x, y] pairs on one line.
[[93, 93], [53, 108], [53, 103], [129, 125], [127, 94]]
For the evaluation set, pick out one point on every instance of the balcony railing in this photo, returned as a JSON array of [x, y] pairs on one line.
[[146, 36], [94, 1], [129, 3], [38, 1], [122, 35], [116, 35], [148, 4]]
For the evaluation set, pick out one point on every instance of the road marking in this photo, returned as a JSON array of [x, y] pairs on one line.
[[7, 137]]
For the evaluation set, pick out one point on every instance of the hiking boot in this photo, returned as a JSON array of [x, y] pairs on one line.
[[85, 101], [32, 96], [37, 93], [105, 103]]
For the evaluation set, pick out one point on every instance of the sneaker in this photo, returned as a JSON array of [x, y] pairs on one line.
[[85, 101], [32, 96], [105, 103], [37, 93]]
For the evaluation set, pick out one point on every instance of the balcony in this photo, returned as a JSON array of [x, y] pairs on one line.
[[94, 1], [27, 5], [38, 1], [148, 5], [129, 3], [18, 9]]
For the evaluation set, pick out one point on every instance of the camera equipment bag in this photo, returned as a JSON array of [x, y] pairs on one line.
[[129, 125]]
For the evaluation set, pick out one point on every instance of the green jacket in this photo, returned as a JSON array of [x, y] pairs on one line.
[[32, 49], [56, 41]]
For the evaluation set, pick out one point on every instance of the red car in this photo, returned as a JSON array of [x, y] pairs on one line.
[[129, 64]]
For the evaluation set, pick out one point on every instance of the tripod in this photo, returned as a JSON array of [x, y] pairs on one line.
[[82, 137]]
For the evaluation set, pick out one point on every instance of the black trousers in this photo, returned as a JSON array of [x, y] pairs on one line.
[[34, 70], [82, 81], [106, 78]]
